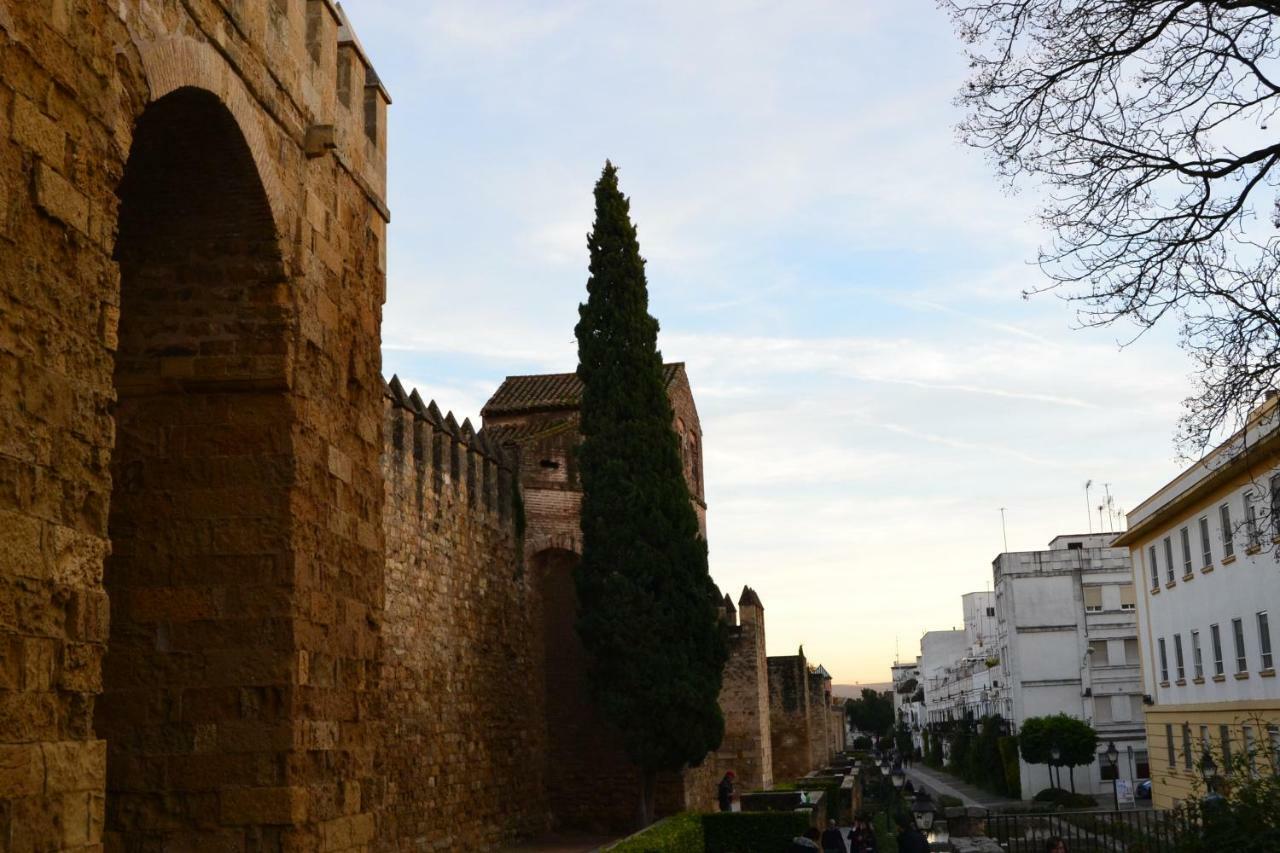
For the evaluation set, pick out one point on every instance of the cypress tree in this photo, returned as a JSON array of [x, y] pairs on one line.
[[656, 648]]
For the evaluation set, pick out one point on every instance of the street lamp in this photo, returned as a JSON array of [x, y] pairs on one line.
[[1113, 756], [922, 810], [1055, 753], [899, 778], [1209, 770]]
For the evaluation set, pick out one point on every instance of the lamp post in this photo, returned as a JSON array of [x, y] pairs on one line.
[[1055, 753], [922, 811], [1113, 756]]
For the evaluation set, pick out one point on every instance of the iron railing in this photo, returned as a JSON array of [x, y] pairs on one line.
[[1135, 831]]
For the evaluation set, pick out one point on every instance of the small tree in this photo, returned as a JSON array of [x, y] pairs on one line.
[[656, 648], [1075, 741], [872, 712]]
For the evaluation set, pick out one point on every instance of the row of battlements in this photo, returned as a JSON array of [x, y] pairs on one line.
[[440, 449], [313, 52]]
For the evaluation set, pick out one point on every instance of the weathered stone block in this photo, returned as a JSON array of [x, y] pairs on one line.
[[286, 805], [57, 197]]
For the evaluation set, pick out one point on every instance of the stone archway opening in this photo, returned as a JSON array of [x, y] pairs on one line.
[[590, 782], [195, 697]]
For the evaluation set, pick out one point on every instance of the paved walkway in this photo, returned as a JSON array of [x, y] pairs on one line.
[[937, 782]]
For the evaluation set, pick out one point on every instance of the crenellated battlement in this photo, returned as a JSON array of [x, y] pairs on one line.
[[440, 456]]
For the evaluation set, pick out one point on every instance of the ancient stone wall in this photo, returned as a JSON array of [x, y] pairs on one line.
[[744, 699], [460, 679], [789, 717], [201, 408], [819, 717]]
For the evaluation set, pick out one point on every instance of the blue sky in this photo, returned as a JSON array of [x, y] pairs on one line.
[[842, 278]]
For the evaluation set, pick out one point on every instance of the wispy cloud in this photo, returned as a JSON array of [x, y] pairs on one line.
[[841, 277]]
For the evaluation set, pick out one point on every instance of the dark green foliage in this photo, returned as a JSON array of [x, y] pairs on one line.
[[871, 713], [647, 616], [902, 738], [1076, 741], [680, 833], [934, 757], [830, 788], [1245, 816], [752, 832], [861, 742], [947, 801], [1065, 799], [1012, 771]]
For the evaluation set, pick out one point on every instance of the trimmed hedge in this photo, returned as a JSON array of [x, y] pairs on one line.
[[1012, 772], [752, 832], [1066, 799], [680, 833], [831, 794]]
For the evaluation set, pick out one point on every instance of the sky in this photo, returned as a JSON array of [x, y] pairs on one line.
[[841, 276]]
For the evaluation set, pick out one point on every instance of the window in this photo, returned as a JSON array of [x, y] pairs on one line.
[[1164, 662], [1177, 657], [1153, 568], [1093, 599], [1196, 663], [1228, 544], [1250, 749], [1264, 640], [1131, 652], [1237, 630], [1185, 536], [1126, 596], [1217, 649], [1098, 652], [1142, 764], [1102, 710], [1075, 546], [1205, 746], [1224, 734], [1250, 518], [1273, 736], [1206, 550], [1108, 772], [1186, 745], [1275, 504], [991, 611], [1168, 739], [1168, 559]]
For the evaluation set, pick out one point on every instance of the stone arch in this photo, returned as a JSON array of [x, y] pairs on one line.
[[174, 62], [197, 674], [590, 782]]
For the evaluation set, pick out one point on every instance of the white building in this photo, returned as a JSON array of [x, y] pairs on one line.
[[1205, 557], [957, 666], [906, 686], [1068, 643]]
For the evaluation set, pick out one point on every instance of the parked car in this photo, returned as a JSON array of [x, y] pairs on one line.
[[1143, 791]]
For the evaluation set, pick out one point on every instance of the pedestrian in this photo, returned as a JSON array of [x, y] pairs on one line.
[[1055, 845], [862, 839], [910, 839], [832, 840], [806, 843], [724, 792]]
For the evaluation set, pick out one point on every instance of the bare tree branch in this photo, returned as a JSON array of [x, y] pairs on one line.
[[1146, 121]]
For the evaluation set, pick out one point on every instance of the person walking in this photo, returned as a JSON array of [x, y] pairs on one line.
[[806, 843], [1055, 845], [832, 839], [724, 792], [862, 838]]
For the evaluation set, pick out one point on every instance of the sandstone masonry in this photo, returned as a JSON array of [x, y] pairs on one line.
[[253, 598]]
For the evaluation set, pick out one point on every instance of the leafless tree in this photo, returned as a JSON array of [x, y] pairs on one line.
[[1146, 123]]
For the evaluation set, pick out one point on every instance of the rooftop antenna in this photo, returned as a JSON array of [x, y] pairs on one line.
[[1111, 524], [1004, 533], [1100, 527], [1088, 505]]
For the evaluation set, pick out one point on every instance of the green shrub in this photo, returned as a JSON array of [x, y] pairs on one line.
[[1009, 760], [1065, 799], [752, 832], [830, 788], [861, 742], [947, 801], [680, 833]]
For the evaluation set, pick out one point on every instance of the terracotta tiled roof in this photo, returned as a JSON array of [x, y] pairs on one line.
[[547, 391], [519, 433]]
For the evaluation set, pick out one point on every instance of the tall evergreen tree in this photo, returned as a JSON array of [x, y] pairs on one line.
[[647, 616]]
